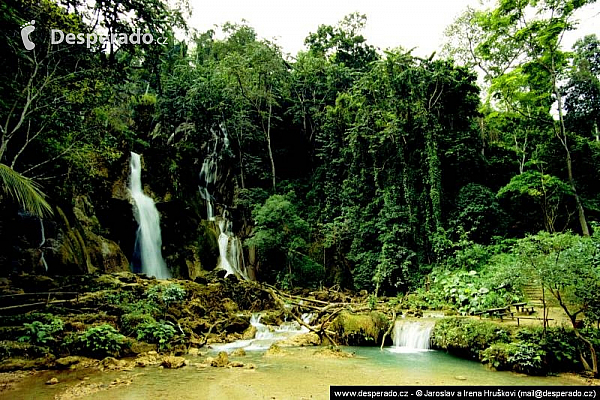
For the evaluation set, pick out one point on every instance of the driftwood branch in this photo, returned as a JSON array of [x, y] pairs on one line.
[[326, 313], [210, 330], [38, 304], [33, 294], [389, 329]]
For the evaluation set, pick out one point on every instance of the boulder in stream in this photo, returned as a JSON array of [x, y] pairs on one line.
[[221, 360], [275, 351], [239, 353], [173, 362], [74, 362], [360, 329], [301, 340]]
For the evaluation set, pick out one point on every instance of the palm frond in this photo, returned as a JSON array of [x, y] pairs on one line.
[[24, 191]]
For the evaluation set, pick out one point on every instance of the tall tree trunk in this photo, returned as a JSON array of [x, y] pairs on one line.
[[562, 135], [435, 177], [268, 134], [545, 310], [580, 211], [590, 345], [593, 355]]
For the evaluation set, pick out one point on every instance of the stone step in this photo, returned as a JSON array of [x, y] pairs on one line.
[[535, 296]]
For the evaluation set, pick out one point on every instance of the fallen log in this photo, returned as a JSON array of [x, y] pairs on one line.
[[389, 329]]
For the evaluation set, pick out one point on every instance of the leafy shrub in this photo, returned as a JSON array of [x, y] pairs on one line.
[[527, 358], [141, 307], [280, 236], [560, 346], [166, 294], [419, 301], [39, 333], [523, 357], [156, 332], [119, 298], [498, 355], [472, 291], [466, 336], [372, 301], [101, 341], [130, 321]]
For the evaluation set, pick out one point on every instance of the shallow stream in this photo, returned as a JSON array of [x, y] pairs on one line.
[[300, 373]]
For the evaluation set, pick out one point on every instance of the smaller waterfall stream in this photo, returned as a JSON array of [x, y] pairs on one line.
[[229, 248], [267, 335], [411, 336], [148, 238], [229, 245]]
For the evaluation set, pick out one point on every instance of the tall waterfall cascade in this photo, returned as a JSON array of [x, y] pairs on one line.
[[148, 239], [411, 336], [230, 247]]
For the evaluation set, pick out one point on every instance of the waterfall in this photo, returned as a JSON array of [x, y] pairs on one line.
[[208, 175], [148, 239], [229, 248], [411, 336], [266, 335], [229, 245], [209, 171], [42, 243]]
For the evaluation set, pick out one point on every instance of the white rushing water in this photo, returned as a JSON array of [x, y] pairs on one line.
[[266, 335], [148, 237], [229, 245], [411, 336]]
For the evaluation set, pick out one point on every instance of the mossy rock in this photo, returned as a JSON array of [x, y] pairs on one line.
[[467, 337], [275, 317], [236, 325], [18, 363], [333, 352], [72, 362], [14, 349], [360, 329], [221, 360], [249, 333], [108, 282], [173, 362], [275, 351], [207, 246], [137, 347]]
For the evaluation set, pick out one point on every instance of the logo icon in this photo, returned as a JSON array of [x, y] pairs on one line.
[[25, 32]]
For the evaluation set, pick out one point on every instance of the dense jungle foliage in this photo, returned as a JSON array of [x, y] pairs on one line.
[[347, 165]]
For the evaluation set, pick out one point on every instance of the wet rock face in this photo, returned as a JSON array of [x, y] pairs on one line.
[[249, 333], [79, 248], [237, 325], [32, 283]]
